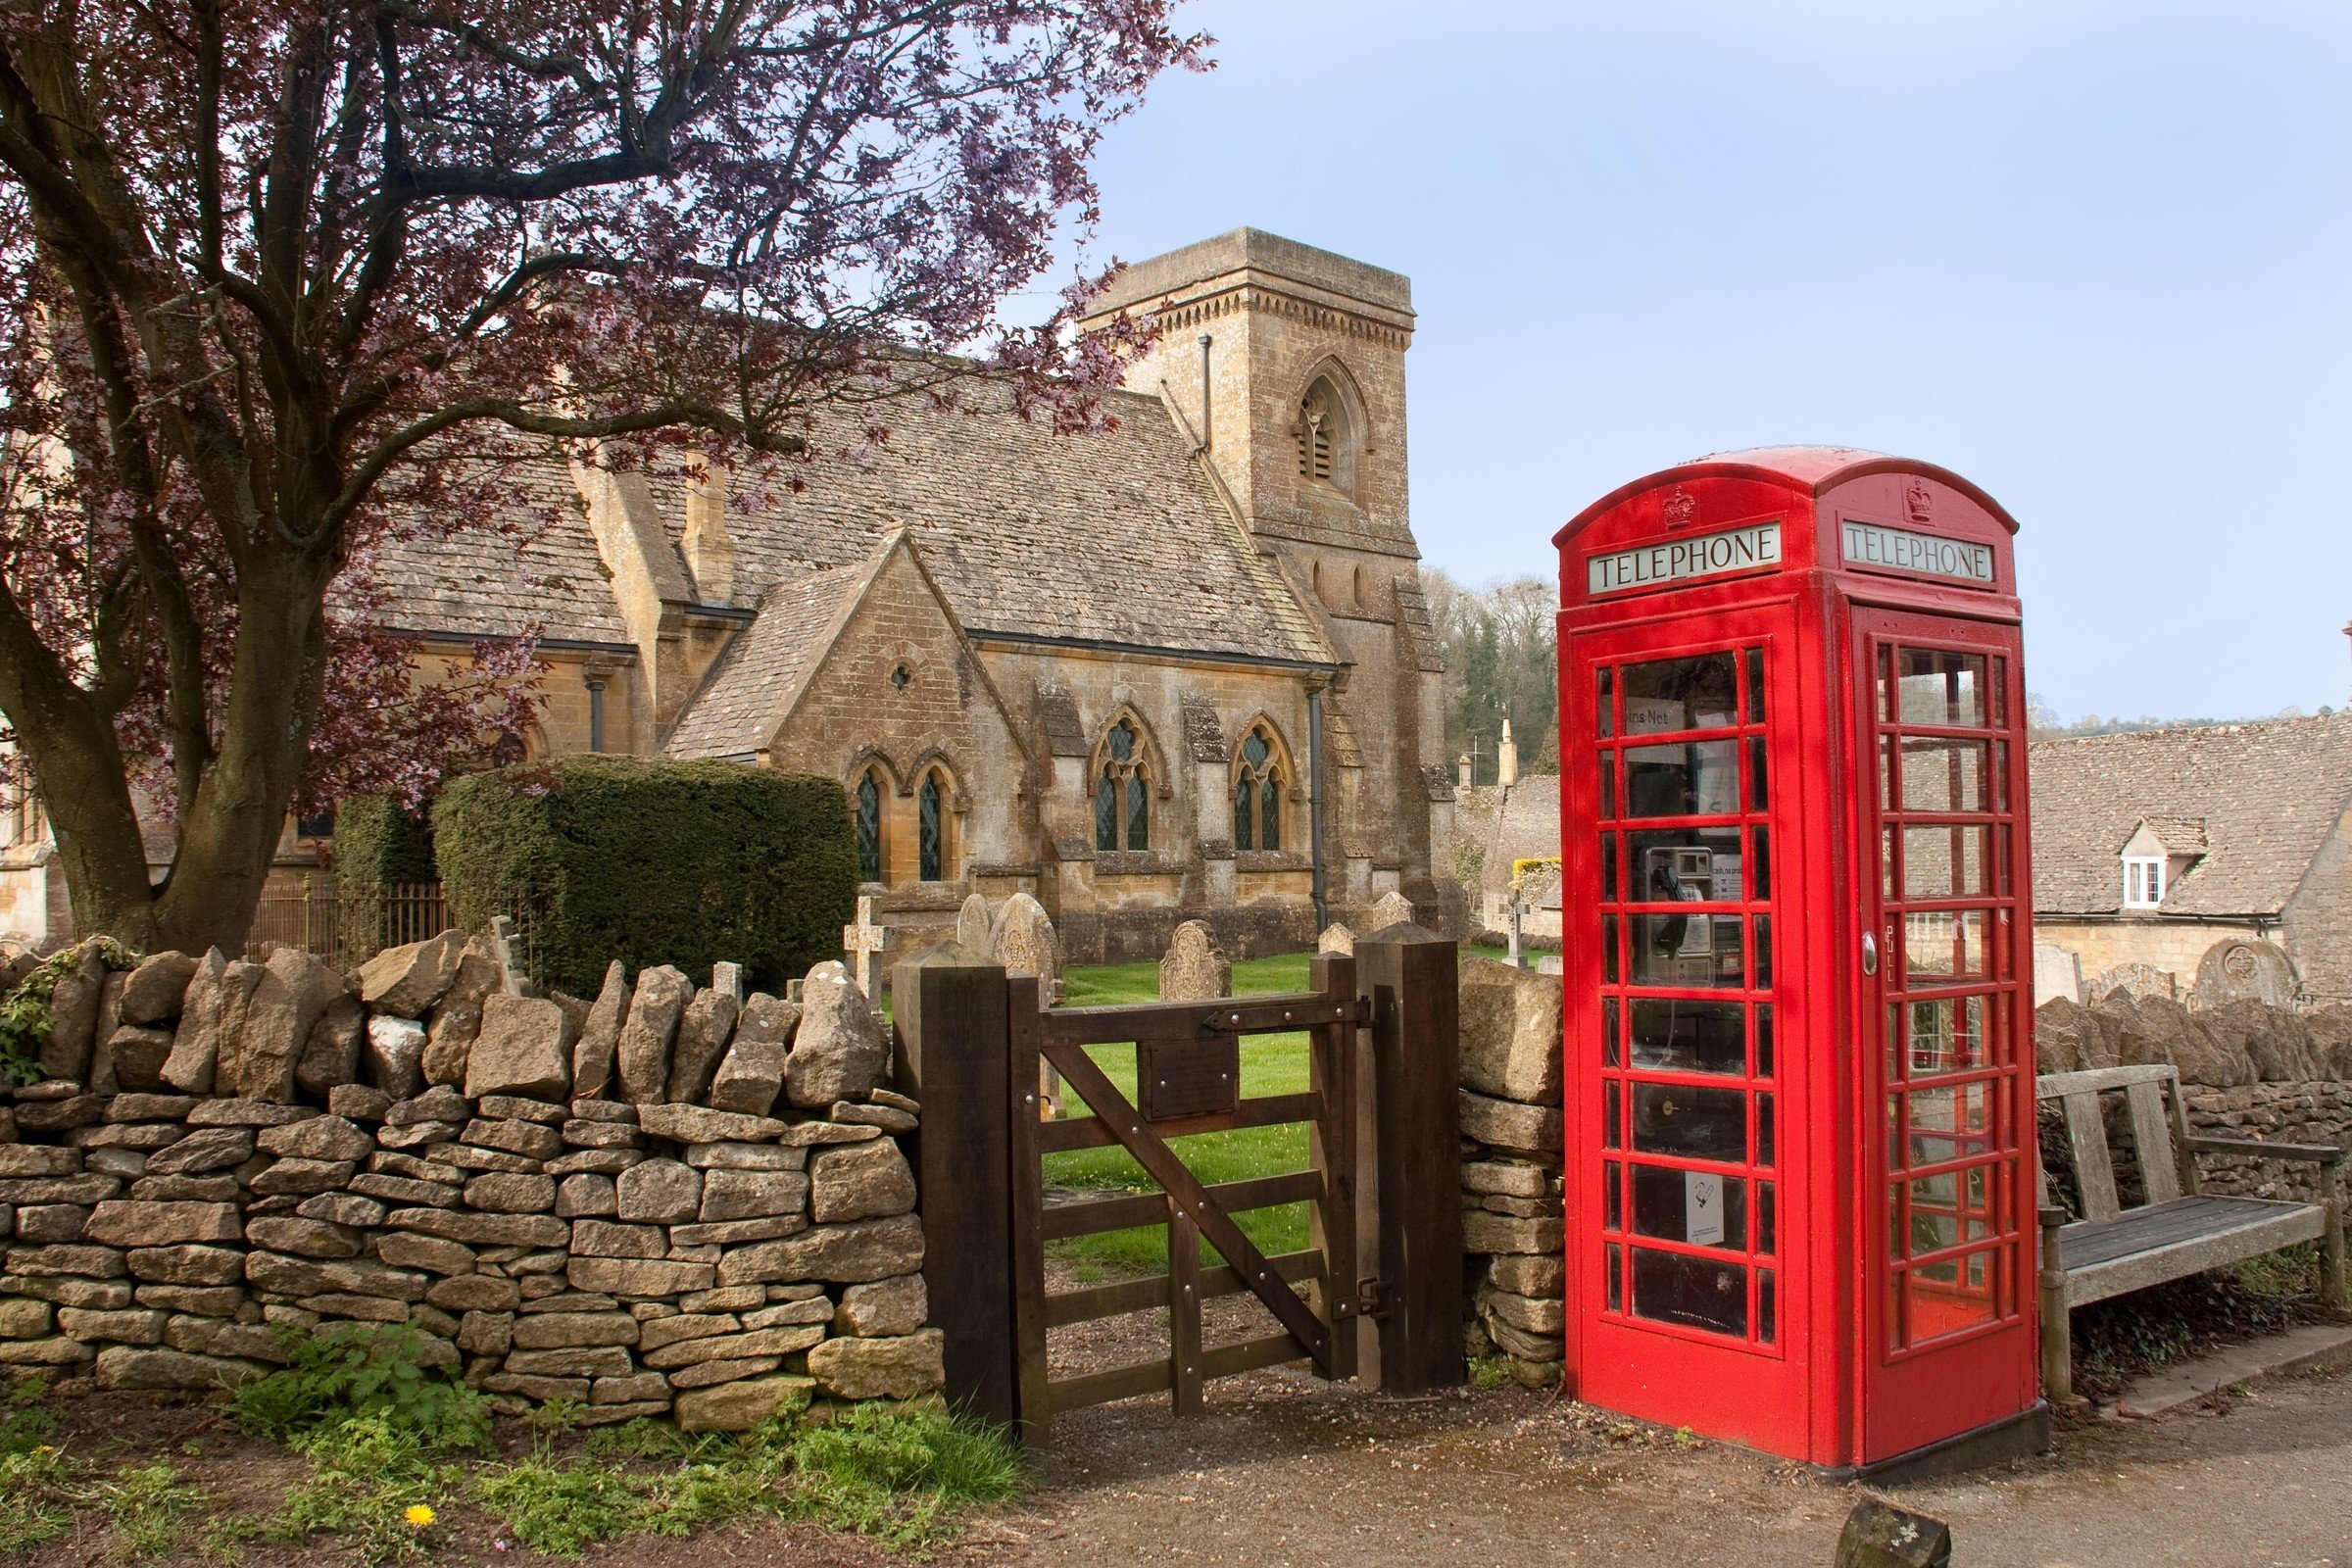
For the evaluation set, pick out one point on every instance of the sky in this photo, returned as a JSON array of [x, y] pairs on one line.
[[2095, 257]]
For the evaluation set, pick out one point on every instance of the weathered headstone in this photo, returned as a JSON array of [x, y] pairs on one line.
[[2134, 980], [1391, 908], [2237, 971], [1335, 938], [1879, 1535], [2057, 974], [866, 942], [1025, 943], [973, 930], [1194, 971]]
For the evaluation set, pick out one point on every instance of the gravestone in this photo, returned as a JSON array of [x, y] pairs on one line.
[[2134, 980], [865, 942], [2057, 973], [1025, 944], [1393, 908], [2235, 970], [1336, 938], [973, 930], [1194, 971]]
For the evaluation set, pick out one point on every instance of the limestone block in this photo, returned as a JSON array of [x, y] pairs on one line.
[[320, 1138], [449, 1035], [1510, 1032], [586, 1195], [130, 1059], [289, 998], [531, 1140], [283, 1275], [733, 1232], [357, 1101], [510, 1193], [698, 1124], [756, 1194], [156, 990], [1879, 1535], [524, 1048], [343, 1208], [304, 1237], [127, 1223], [1508, 1124], [660, 1192], [637, 1387], [1529, 1273], [646, 1040], [38, 1159], [842, 1255], [1483, 1232], [303, 1178], [661, 1330], [840, 1050], [330, 1057], [405, 981], [704, 1030], [747, 1156], [551, 1331], [883, 1309], [1505, 1176], [475, 1293], [395, 1054], [599, 1237], [592, 1053], [483, 1230], [859, 1181], [128, 1368], [125, 1325], [751, 1074], [74, 1014], [900, 1367], [741, 1405], [759, 1343], [187, 1264], [196, 1045], [638, 1278], [407, 1250]]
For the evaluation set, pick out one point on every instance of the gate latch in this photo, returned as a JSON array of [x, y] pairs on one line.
[[1372, 1297]]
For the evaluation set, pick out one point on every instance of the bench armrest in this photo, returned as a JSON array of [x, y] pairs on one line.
[[2315, 1154]]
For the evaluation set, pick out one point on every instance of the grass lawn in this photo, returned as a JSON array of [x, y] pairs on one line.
[[1271, 1064]]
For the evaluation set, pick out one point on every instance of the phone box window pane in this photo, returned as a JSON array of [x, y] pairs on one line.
[[1610, 1117], [1889, 842], [1686, 866], [1766, 1239], [1767, 1307], [1608, 785], [1761, 977], [1763, 1039], [1760, 863], [1760, 797], [1951, 1123], [1604, 705], [2001, 775], [1700, 1207], [1681, 1036], [1682, 778], [1608, 948], [1612, 1176], [1943, 944], [1689, 952], [1938, 687], [1675, 694], [1755, 685], [1947, 1210], [1944, 863], [1616, 1271], [1943, 1036], [1608, 867], [1947, 1296], [1608, 1031], [1690, 1124], [1942, 774], [1698, 1293], [1886, 707], [2000, 693], [1764, 1130]]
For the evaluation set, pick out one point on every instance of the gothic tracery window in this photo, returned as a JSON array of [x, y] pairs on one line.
[[1122, 792], [1326, 439], [1258, 792]]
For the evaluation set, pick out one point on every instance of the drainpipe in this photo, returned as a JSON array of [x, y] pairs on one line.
[[1314, 802], [1206, 430]]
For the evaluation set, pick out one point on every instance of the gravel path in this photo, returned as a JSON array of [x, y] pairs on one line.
[[1285, 1471]]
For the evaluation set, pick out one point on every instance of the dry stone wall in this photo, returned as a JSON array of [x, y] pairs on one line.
[[669, 1200], [1512, 1213], [2248, 1070]]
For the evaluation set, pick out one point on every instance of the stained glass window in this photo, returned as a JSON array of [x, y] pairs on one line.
[[869, 828], [930, 836], [1258, 793], [1122, 792]]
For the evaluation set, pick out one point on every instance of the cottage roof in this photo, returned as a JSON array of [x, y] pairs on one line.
[[2257, 801]]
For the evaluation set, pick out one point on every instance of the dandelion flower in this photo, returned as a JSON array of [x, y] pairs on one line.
[[418, 1516]]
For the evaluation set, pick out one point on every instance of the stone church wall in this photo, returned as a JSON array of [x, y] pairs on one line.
[[1512, 1216], [2247, 1072], [225, 1152], [2318, 928]]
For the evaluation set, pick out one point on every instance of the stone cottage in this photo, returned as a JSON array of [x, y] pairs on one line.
[[2174, 849], [1108, 670]]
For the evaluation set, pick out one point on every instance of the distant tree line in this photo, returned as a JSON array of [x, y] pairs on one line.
[[1501, 663], [2044, 722]]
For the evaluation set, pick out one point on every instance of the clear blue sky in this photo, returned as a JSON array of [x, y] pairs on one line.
[[2092, 255]]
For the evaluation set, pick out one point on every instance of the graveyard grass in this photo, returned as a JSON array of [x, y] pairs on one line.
[[1271, 1064]]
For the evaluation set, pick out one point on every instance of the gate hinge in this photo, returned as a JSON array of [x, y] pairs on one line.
[[1371, 1297]]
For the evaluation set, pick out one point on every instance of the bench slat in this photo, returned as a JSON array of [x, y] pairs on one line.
[[2148, 1246], [2086, 1137], [2053, 1085], [2152, 1138]]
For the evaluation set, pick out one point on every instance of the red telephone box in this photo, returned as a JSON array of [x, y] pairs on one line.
[[1800, 1151]]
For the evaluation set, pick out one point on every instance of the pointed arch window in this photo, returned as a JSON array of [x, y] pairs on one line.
[[931, 831], [869, 826], [1326, 437], [1122, 791], [1258, 792]]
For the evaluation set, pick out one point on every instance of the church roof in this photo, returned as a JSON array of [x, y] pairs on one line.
[[2264, 797], [1113, 537], [485, 583], [754, 682]]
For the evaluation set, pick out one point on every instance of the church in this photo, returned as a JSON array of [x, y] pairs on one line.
[[1178, 668]]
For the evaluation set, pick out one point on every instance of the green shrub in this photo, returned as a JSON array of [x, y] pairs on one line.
[[561, 1509], [24, 1013], [367, 1370], [651, 861], [377, 843], [898, 1472]]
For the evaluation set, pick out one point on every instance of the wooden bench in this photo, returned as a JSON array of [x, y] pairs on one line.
[[2178, 1231]]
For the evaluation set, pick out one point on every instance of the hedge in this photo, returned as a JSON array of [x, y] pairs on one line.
[[651, 861], [377, 843]]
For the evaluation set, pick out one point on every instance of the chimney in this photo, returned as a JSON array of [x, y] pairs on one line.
[[710, 550], [1506, 758]]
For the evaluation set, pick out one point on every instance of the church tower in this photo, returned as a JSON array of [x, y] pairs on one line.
[[1286, 365]]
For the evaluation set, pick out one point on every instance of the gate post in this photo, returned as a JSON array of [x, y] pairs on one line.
[[949, 1009], [1411, 977]]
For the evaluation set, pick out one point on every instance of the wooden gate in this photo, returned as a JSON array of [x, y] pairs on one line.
[[1187, 1081], [1378, 1288]]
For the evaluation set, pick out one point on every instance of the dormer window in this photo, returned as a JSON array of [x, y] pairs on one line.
[[2144, 882]]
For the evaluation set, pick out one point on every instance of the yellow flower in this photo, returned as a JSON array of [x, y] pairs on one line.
[[418, 1516]]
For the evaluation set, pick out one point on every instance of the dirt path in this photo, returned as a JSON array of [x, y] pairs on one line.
[[1284, 1471]]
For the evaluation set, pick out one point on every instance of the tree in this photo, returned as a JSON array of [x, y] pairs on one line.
[[1500, 647], [282, 278]]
